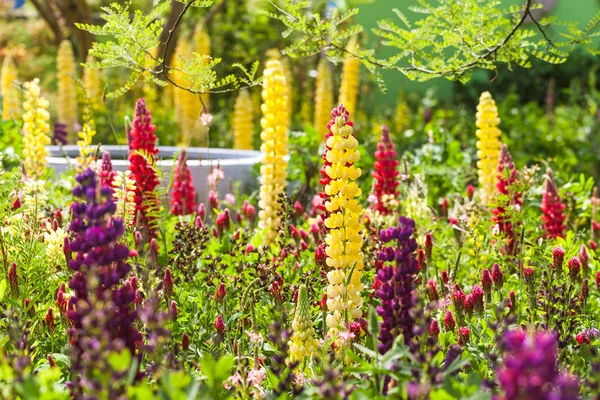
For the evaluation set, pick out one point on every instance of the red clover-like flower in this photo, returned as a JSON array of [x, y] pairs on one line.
[[183, 195], [220, 325], [574, 266], [449, 322], [497, 276]]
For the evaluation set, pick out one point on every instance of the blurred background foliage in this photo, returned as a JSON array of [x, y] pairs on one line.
[[548, 110]]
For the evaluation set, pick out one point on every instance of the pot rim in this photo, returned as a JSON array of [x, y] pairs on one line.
[[244, 157]]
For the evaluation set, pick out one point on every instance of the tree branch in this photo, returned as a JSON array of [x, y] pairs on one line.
[[48, 15]]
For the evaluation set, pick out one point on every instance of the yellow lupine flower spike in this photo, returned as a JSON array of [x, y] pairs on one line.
[[36, 128], [344, 240], [187, 105], [350, 80], [303, 343], [8, 91], [243, 121], [67, 89], [323, 96], [274, 138], [488, 146], [124, 195], [202, 39], [92, 83]]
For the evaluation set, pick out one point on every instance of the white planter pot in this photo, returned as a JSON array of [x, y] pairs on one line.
[[236, 165]]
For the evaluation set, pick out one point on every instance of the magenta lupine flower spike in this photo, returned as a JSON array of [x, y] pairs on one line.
[[385, 174]]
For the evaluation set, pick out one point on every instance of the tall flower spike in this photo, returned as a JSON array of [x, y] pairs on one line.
[[303, 343], [274, 138], [401, 115], [507, 175], [553, 209], [343, 240], [92, 83], [202, 41], [84, 142], [101, 310], [398, 281], [385, 173], [488, 146], [350, 80], [323, 95], [67, 89], [106, 174], [187, 105], [142, 164], [183, 195], [243, 121], [8, 91], [123, 188], [36, 128]]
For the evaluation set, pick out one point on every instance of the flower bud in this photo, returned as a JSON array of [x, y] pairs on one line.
[[298, 209], [201, 212], [220, 325], [486, 281], [449, 322], [434, 328], [444, 207], [464, 335], [173, 311], [585, 291], [50, 320], [213, 201], [558, 256], [13, 279], [185, 342], [582, 337], [221, 292], [67, 249], [168, 284], [422, 260], [431, 289], [584, 257], [323, 302], [275, 290], [497, 276], [469, 304], [478, 295], [51, 361], [428, 246], [470, 191], [574, 266]]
